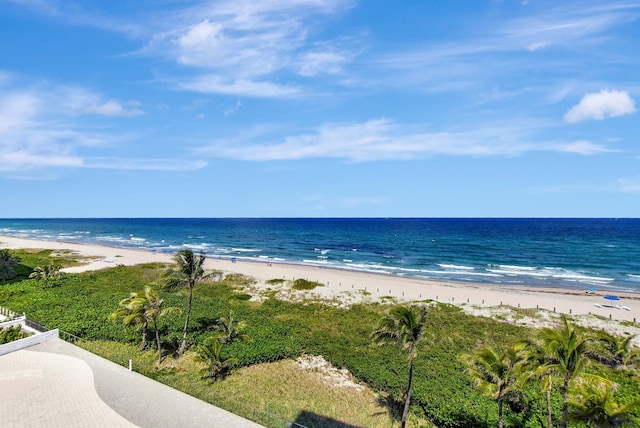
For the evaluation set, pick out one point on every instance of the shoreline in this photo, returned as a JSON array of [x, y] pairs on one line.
[[349, 287]]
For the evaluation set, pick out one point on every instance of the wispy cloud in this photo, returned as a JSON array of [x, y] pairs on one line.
[[234, 109], [383, 139], [40, 127], [601, 105], [320, 62], [567, 25], [74, 100], [536, 46], [584, 147], [177, 165], [216, 84], [247, 48], [76, 13], [29, 141], [114, 108], [521, 46]]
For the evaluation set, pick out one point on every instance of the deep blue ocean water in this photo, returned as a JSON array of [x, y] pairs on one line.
[[568, 253]]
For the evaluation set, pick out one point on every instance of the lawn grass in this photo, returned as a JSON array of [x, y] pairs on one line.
[[295, 394]]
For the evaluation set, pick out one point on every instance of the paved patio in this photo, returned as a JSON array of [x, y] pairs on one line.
[[59, 384]]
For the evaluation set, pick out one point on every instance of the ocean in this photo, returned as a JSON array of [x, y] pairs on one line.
[[601, 254]]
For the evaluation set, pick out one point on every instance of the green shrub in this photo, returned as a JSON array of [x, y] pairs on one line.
[[9, 334], [303, 284], [241, 296]]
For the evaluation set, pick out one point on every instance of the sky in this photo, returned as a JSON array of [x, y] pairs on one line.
[[319, 108]]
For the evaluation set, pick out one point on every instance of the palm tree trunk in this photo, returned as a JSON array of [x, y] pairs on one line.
[[500, 412], [155, 326], [144, 336], [407, 400], [565, 400], [183, 345], [549, 406]]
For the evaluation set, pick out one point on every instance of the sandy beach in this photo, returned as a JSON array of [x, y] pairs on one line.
[[348, 287]]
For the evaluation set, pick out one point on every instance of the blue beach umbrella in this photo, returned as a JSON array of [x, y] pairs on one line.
[[612, 297], [592, 288]]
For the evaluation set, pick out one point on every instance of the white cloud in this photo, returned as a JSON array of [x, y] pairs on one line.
[[215, 84], [537, 46], [234, 109], [25, 140], [144, 164], [22, 160], [40, 128], [559, 34], [260, 43], [321, 62], [585, 148], [112, 108], [567, 24], [559, 93], [17, 109], [601, 105], [382, 139], [78, 101], [206, 45]]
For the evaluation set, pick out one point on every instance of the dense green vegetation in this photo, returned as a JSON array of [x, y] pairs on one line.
[[303, 284], [442, 392], [9, 334], [48, 274], [8, 263]]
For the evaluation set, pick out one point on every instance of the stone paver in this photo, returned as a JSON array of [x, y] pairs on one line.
[[59, 384], [48, 390]]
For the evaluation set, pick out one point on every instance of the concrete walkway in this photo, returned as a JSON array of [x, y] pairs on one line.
[[59, 384]]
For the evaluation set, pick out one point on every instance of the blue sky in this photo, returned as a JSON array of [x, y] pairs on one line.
[[320, 108]]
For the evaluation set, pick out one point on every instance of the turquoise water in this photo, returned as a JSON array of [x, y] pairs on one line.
[[568, 253]]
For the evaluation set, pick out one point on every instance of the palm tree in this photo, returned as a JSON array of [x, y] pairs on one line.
[[618, 351], [140, 308], [132, 311], [565, 355], [46, 274], [593, 403], [155, 311], [188, 273], [209, 353], [496, 374], [536, 358], [405, 326], [7, 264], [231, 330]]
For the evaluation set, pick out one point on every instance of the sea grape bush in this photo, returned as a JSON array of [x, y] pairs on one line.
[[303, 284]]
